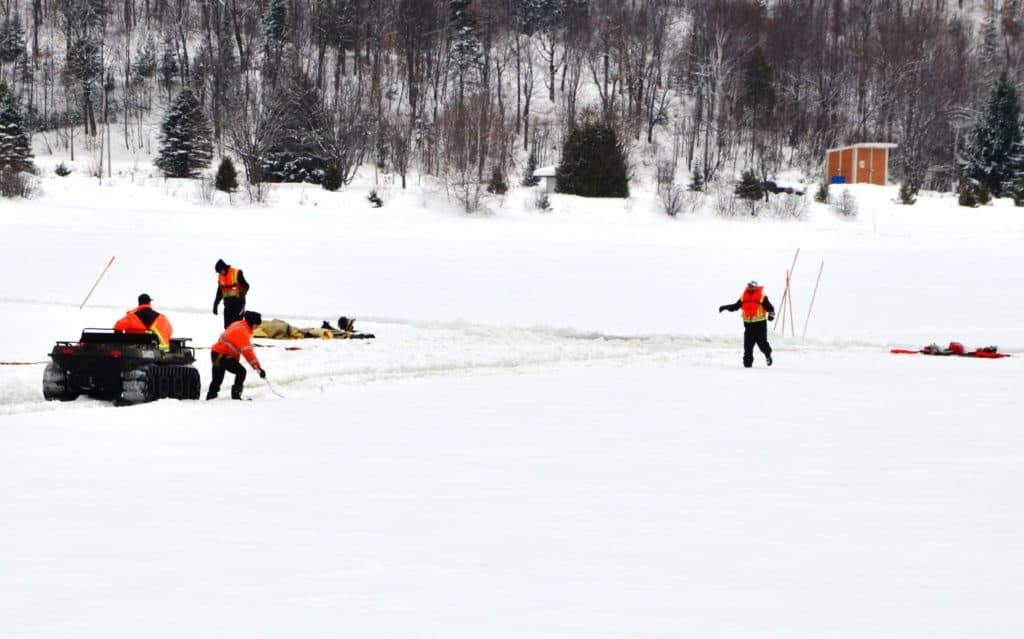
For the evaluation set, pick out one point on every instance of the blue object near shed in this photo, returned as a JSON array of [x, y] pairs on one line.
[[838, 179]]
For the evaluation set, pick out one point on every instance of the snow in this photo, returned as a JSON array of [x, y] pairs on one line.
[[551, 436]]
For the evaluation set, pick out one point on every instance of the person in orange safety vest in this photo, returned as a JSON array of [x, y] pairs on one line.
[[757, 312], [143, 319], [232, 288], [227, 353]]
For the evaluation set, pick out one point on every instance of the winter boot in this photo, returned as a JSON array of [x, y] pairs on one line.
[[768, 358], [211, 395]]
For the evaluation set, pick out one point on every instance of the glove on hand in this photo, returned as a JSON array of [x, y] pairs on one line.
[[771, 317], [214, 309], [262, 373], [721, 308]]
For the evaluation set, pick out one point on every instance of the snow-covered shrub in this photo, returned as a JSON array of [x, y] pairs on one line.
[[724, 201], [692, 201], [17, 184], [789, 207], [671, 197], [845, 204], [62, 170], [205, 189]]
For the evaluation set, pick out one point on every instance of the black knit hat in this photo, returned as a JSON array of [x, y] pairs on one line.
[[252, 318], [221, 265], [145, 299]]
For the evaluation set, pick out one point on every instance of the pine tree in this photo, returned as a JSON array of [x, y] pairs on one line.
[[497, 184], [275, 25], [332, 178], [12, 38], [988, 161], [467, 50], [697, 179], [227, 176], [750, 187], [907, 194], [531, 166], [15, 148], [593, 163], [296, 153], [185, 138], [168, 65], [145, 64]]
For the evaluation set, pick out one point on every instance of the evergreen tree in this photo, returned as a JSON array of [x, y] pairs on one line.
[[531, 166], [467, 50], [497, 184], [296, 153], [168, 65], [907, 194], [275, 25], [185, 138], [332, 178], [750, 187], [697, 179], [12, 38], [145, 64], [227, 176], [275, 35], [15, 148], [593, 163], [988, 161]]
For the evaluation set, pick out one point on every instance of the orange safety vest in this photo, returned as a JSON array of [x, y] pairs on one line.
[[752, 309], [228, 282], [234, 342], [161, 326]]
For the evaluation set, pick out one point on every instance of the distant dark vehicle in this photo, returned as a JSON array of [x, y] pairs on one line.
[[775, 188], [126, 368]]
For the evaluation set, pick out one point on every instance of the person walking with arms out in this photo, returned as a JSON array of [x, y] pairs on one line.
[[757, 311], [227, 353], [232, 288]]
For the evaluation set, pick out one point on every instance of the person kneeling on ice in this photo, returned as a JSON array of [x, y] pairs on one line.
[[227, 353], [757, 312]]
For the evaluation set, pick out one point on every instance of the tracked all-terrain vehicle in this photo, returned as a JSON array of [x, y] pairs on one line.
[[126, 368]]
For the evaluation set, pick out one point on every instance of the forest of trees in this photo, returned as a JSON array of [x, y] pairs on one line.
[[466, 90]]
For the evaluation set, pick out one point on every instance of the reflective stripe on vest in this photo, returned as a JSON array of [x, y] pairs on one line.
[[234, 343], [228, 282], [238, 353], [752, 309]]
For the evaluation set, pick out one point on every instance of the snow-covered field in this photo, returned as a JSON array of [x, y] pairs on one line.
[[551, 436]]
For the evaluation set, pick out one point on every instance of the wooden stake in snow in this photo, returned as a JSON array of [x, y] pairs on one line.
[[813, 295], [82, 305], [786, 295]]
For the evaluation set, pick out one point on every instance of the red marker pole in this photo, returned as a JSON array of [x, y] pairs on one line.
[[107, 267]]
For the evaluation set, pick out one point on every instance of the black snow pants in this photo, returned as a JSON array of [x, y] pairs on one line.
[[221, 365], [234, 307], [755, 333]]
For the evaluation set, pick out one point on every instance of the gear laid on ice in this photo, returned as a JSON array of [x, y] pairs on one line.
[[954, 348], [280, 329], [126, 368]]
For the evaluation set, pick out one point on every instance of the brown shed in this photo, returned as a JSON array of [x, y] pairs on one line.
[[864, 163]]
